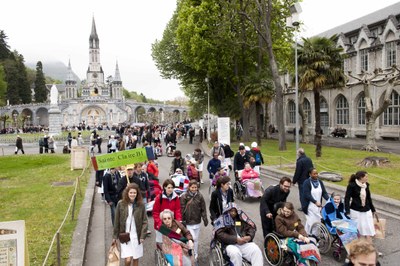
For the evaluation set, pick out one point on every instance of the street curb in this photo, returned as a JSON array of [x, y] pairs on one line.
[[79, 240], [383, 205]]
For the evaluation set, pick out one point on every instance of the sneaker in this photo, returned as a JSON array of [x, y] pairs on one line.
[[201, 182], [380, 254], [148, 232]]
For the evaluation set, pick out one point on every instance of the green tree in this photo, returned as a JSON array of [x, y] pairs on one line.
[[40, 84], [3, 87], [25, 92], [12, 74], [4, 48], [320, 67], [258, 91]]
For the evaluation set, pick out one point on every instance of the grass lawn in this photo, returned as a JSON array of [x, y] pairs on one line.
[[27, 193], [384, 180]]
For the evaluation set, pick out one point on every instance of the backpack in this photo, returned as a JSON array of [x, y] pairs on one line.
[[258, 158]]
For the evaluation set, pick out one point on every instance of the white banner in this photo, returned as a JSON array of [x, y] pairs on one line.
[[224, 130]]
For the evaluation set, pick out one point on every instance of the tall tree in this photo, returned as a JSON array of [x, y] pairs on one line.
[[4, 48], [376, 79], [320, 67], [25, 92], [12, 74], [40, 84], [269, 22], [3, 87]]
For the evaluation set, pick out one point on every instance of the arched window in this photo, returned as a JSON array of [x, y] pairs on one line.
[[391, 48], [361, 111], [307, 110], [391, 116], [342, 111], [292, 112]]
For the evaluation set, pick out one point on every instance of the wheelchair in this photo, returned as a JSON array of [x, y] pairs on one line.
[[240, 189], [277, 253], [160, 258], [328, 240], [218, 256]]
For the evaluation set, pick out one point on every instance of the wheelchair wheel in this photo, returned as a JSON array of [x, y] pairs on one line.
[[216, 258], [159, 258], [273, 251], [324, 238], [237, 191]]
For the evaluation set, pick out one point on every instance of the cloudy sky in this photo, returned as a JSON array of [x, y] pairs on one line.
[[49, 30]]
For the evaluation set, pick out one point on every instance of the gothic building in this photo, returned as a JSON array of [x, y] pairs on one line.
[[99, 101], [370, 42]]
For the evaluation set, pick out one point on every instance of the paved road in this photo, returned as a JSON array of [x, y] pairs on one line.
[[95, 251], [101, 229]]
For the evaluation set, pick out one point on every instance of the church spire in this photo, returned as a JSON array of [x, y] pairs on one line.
[[70, 75], [117, 76], [94, 39]]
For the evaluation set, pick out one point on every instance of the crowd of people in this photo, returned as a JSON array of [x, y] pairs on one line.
[[178, 217]]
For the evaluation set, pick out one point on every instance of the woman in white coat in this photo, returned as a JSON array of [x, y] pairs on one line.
[[313, 192]]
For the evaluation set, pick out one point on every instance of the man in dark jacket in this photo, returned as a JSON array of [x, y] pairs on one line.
[[236, 231], [269, 203], [110, 188], [303, 166], [18, 145], [241, 157]]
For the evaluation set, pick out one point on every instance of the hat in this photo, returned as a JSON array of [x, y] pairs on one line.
[[254, 144], [247, 148], [130, 167], [241, 144]]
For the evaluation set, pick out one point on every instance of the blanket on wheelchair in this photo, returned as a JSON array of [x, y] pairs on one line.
[[174, 252], [253, 187], [346, 230], [302, 251]]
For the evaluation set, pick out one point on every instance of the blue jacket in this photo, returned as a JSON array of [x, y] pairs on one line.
[[307, 194], [213, 166]]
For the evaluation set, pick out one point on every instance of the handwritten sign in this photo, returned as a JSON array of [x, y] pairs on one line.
[[120, 158]]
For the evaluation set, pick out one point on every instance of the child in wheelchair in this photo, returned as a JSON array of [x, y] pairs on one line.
[[288, 225], [177, 241]]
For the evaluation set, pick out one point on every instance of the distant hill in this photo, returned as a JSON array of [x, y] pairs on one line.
[[55, 69]]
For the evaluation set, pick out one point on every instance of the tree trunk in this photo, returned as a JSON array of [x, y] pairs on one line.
[[279, 92], [318, 135], [370, 134], [266, 121], [245, 124], [258, 123]]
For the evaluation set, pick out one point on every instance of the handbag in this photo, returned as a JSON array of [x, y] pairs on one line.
[[380, 227], [113, 255], [124, 237]]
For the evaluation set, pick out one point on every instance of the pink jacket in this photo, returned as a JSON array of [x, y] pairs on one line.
[[249, 174]]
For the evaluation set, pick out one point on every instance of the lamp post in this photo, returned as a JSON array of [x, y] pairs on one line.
[[296, 93], [294, 22], [208, 108]]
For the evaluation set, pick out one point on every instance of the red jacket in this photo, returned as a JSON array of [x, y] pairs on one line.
[[152, 169], [161, 202]]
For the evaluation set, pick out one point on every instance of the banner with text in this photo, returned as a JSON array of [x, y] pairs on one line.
[[120, 158], [224, 130]]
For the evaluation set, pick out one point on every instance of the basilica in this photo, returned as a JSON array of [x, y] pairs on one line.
[[99, 101]]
